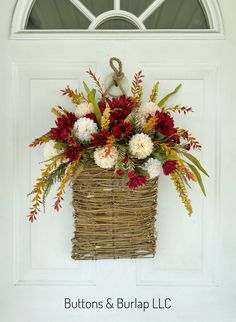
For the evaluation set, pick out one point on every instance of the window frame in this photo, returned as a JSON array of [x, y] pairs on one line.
[[23, 8]]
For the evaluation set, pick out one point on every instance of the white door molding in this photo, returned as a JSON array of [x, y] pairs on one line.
[[23, 8]]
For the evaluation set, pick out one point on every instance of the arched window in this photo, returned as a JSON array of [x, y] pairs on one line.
[[117, 15]]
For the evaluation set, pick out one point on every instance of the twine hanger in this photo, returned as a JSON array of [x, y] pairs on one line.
[[117, 76]]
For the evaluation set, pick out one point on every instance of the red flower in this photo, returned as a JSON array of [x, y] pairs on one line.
[[119, 172], [135, 181], [122, 102], [121, 107], [122, 129], [174, 139], [100, 139], [118, 115], [71, 141], [64, 125], [73, 152], [112, 120], [169, 166], [102, 105], [59, 134], [131, 174], [164, 123]]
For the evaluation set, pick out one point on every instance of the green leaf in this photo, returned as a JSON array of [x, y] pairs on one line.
[[159, 136], [60, 146], [130, 117], [198, 176], [162, 102], [195, 162], [142, 172], [93, 91], [86, 88], [91, 98], [159, 155]]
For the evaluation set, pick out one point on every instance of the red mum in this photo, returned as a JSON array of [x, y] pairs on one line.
[[64, 125], [73, 152], [100, 139], [135, 181], [118, 115], [121, 107], [122, 102], [122, 129], [169, 166], [164, 123]]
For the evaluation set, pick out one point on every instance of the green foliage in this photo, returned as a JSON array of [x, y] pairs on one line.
[[141, 172], [53, 177], [131, 117], [159, 155], [91, 98], [165, 99], [135, 120], [195, 162], [198, 176], [60, 146], [159, 136], [130, 164], [122, 150]]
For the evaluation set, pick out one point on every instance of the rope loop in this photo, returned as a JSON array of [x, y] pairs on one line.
[[117, 76], [118, 72]]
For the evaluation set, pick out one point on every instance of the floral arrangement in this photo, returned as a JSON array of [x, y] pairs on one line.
[[135, 139]]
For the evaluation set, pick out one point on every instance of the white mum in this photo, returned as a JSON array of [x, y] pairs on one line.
[[104, 158], [84, 128], [83, 109], [49, 150], [141, 146], [148, 108], [153, 167]]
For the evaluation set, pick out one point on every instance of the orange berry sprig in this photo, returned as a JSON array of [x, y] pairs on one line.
[[39, 189], [137, 89]]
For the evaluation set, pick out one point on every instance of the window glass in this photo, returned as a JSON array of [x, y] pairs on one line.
[[134, 6], [56, 14], [178, 14], [98, 6], [117, 24]]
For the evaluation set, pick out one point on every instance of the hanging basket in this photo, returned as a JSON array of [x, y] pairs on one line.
[[115, 210], [111, 220]]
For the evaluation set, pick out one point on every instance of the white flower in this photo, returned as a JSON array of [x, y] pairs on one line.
[[148, 108], [49, 150], [141, 146], [84, 128], [153, 167], [105, 158], [83, 109]]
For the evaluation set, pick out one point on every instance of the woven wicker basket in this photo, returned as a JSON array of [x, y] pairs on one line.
[[111, 220]]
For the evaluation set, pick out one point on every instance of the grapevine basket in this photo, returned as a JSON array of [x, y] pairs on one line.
[[110, 219]]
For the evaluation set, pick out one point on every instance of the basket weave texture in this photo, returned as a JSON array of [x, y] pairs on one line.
[[112, 220]]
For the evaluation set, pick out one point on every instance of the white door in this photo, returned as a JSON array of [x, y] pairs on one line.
[[193, 272]]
